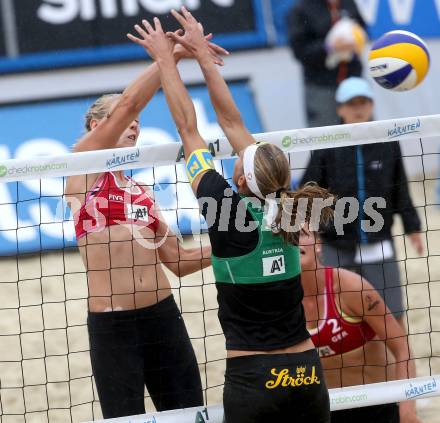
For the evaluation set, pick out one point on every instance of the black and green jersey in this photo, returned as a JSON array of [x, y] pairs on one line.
[[272, 259], [257, 274]]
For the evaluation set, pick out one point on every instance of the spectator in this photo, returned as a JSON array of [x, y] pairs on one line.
[[363, 171], [309, 24]]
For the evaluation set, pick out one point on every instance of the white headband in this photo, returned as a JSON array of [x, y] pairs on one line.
[[249, 170], [271, 205]]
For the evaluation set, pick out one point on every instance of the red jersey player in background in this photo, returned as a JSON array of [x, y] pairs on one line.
[[358, 338]]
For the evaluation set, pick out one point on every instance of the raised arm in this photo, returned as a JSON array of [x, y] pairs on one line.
[[160, 47], [134, 99], [228, 115], [359, 299]]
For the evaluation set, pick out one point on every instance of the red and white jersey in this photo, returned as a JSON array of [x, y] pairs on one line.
[[338, 334], [108, 204]]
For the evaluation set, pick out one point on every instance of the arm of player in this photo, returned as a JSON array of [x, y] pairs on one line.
[[179, 102], [228, 115], [181, 261], [134, 99], [360, 299]]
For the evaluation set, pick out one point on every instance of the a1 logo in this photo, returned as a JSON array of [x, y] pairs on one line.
[[274, 265], [137, 212]]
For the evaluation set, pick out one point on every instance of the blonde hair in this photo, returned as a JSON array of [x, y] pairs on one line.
[[272, 172], [100, 109]]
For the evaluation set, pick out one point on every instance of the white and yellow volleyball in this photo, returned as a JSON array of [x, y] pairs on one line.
[[399, 60]]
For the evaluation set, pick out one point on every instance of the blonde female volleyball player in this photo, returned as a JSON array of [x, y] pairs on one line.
[[257, 272], [358, 337], [137, 335]]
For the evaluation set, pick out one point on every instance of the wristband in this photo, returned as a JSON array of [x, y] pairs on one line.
[[199, 161]]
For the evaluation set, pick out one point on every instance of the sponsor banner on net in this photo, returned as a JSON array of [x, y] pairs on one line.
[[414, 390], [122, 159], [384, 392], [340, 398], [346, 135], [404, 129], [31, 169], [349, 399], [164, 154], [289, 141]]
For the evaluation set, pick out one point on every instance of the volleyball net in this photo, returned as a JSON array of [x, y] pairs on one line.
[[45, 371]]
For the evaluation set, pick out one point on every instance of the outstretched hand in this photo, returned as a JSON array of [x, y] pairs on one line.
[[193, 39], [158, 45], [153, 41], [215, 51]]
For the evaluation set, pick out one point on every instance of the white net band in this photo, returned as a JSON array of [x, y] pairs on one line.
[[65, 303], [166, 154], [340, 399]]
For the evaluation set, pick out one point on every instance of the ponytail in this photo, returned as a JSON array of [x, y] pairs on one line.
[[296, 209], [273, 178]]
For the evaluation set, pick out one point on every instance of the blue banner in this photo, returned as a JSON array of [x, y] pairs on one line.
[[33, 213], [421, 17]]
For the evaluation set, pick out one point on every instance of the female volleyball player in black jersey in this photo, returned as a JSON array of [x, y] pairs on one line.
[[273, 371], [137, 336]]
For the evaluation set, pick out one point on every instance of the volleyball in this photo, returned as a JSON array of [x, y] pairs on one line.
[[399, 60]]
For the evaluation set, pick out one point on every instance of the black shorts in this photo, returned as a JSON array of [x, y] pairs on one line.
[[275, 388], [385, 413], [148, 347]]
